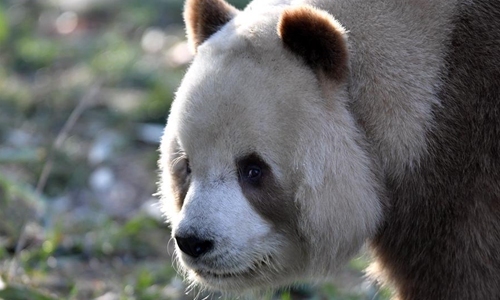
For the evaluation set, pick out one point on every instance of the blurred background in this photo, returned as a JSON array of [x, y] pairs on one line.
[[85, 88]]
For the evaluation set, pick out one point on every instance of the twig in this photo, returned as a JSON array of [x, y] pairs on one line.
[[63, 134]]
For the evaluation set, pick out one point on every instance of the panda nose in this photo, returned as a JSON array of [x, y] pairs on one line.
[[193, 246]]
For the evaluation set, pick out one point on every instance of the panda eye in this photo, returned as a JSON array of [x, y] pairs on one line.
[[253, 172], [181, 166], [252, 169], [188, 167]]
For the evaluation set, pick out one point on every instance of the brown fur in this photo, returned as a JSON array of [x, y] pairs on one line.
[[314, 36], [205, 17], [274, 202], [441, 239]]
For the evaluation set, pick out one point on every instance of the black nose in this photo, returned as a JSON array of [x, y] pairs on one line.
[[193, 246]]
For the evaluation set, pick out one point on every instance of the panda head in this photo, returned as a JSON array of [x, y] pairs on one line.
[[265, 178]]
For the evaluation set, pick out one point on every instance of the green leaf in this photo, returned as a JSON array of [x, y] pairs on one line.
[[37, 52]]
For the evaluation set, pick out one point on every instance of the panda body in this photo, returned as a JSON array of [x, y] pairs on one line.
[[304, 128]]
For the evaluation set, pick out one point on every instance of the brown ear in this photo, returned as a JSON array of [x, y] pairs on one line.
[[317, 37], [205, 17]]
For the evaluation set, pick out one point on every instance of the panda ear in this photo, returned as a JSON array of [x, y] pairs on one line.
[[317, 37], [205, 17]]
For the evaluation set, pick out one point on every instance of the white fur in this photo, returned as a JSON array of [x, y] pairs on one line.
[[396, 53], [222, 214]]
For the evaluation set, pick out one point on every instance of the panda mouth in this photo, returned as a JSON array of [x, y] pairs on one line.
[[251, 271]]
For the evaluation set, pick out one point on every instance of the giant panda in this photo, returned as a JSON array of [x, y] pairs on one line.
[[305, 129]]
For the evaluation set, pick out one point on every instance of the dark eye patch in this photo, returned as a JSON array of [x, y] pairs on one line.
[[180, 166], [180, 172], [262, 189], [252, 170], [187, 166], [181, 178]]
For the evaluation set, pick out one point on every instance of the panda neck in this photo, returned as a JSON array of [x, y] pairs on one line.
[[396, 55]]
